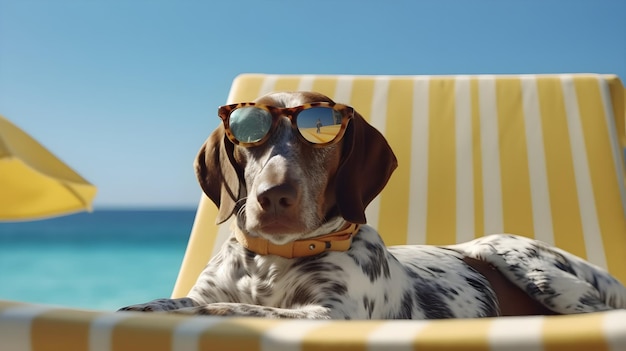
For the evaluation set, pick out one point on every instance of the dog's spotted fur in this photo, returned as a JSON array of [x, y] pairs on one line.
[[369, 281]]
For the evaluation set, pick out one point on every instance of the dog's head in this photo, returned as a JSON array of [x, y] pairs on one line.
[[285, 189]]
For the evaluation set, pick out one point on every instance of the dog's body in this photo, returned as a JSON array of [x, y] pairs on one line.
[[286, 191]]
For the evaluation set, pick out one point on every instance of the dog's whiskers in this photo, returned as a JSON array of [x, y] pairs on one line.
[[241, 208]]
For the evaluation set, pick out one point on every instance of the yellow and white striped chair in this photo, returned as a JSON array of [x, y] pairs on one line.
[[535, 155]]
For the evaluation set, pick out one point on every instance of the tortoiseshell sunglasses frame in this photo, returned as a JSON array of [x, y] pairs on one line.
[[347, 113]]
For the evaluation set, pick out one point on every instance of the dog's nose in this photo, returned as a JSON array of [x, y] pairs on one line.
[[276, 197]]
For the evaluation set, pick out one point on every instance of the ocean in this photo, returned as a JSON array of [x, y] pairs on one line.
[[99, 261]]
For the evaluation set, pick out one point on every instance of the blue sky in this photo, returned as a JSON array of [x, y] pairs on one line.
[[126, 91]]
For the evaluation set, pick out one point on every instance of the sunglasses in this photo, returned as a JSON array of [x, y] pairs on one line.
[[318, 123]]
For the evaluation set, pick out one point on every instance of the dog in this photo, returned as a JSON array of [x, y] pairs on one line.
[[300, 248]]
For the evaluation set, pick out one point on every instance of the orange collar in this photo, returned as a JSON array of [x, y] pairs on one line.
[[336, 241]]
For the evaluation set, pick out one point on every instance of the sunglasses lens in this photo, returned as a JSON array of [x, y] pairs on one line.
[[250, 124], [319, 124]]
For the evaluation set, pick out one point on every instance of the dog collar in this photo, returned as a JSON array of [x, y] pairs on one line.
[[336, 241]]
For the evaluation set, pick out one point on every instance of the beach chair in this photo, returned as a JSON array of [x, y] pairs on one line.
[[535, 155]]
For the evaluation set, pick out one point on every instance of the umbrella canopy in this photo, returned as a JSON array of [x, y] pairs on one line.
[[34, 183]]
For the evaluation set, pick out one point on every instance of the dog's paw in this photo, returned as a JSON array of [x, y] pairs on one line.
[[160, 305], [144, 307]]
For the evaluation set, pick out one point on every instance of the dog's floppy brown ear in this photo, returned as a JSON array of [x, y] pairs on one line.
[[367, 164], [218, 173]]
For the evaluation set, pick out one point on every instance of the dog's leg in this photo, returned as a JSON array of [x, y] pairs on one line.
[[161, 305], [248, 310], [559, 280]]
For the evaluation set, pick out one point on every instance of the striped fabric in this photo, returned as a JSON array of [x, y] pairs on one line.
[[44, 328], [540, 156]]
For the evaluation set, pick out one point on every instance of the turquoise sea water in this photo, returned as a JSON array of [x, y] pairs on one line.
[[101, 260]]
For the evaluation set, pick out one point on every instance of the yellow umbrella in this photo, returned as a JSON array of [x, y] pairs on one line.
[[34, 183]]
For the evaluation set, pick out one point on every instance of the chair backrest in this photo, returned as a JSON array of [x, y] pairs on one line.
[[534, 155]]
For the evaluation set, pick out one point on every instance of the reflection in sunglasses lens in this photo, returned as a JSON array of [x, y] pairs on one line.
[[250, 124], [319, 124]]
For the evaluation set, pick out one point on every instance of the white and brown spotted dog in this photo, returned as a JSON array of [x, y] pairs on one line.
[[288, 194]]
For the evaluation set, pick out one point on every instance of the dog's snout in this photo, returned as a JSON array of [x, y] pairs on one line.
[[276, 197]]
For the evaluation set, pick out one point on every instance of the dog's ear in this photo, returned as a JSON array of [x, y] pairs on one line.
[[218, 173], [367, 164]]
